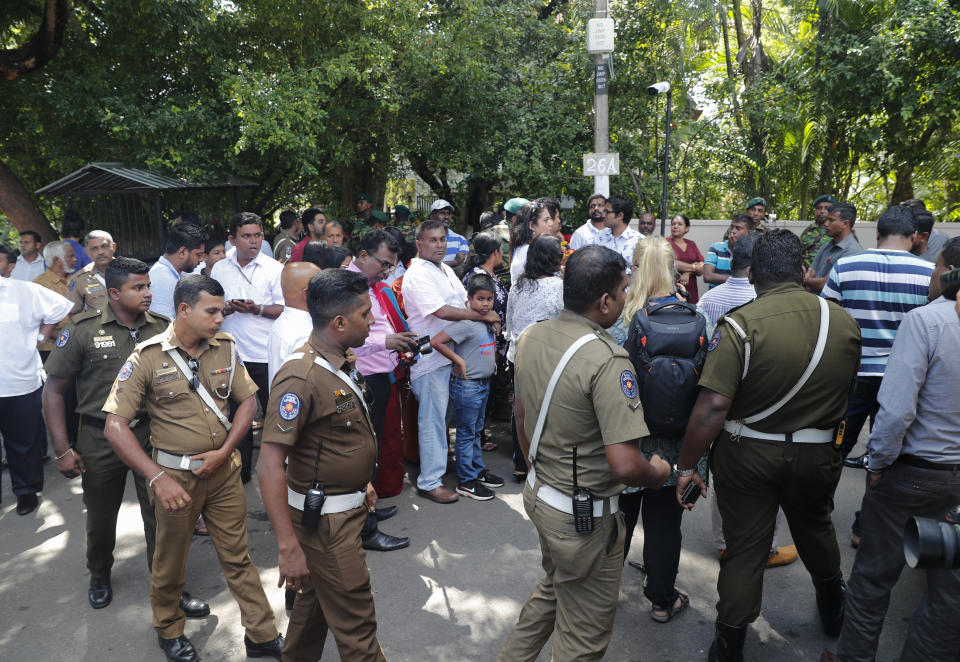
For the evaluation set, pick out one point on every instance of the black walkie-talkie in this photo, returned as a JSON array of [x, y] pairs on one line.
[[582, 503], [315, 496]]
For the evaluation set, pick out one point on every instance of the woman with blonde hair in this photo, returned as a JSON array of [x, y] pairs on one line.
[[651, 297]]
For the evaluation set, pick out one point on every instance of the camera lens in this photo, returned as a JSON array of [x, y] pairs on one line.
[[928, 543]]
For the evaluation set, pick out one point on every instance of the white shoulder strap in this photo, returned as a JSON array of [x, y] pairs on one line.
[[204, 394], [323, 363], [814, 362], [746, 345], [551, 385]]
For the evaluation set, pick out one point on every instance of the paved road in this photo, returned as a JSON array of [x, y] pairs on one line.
[[452, 596]]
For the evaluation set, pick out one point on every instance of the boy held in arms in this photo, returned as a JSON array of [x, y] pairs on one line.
[[474, 361]]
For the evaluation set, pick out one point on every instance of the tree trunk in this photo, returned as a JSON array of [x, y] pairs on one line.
[[903, 189], [14, 62], [478, 192], [17, 204], [731, 78]]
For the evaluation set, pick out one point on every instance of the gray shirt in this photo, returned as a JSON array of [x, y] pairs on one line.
[[935, 243], [475, 344], [919, 410], [830, 252]]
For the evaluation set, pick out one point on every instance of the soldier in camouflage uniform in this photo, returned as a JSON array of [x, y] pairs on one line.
[[815, 235], [757, 210], [405, 222]]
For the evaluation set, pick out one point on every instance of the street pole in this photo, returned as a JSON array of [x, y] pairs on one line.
[[666, 164], [601, 133]]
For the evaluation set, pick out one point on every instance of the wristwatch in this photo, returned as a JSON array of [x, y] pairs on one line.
[[683, 473]]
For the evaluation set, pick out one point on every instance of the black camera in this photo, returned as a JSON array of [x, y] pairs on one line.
[[928, 543], [312, 505], [422, 347]]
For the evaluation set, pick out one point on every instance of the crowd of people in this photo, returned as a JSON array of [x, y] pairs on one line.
[[361, 347]]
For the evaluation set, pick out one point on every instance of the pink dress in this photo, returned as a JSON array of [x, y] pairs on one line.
[[691, 255]]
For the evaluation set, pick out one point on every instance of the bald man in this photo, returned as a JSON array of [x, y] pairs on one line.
[[294, 325]]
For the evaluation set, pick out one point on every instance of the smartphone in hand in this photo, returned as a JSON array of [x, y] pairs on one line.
[[691, 493]]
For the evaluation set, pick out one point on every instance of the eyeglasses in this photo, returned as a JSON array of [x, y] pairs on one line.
[[358, 379], [195, 369], [384, 265]]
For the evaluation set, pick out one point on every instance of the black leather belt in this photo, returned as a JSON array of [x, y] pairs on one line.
[[914, 461]]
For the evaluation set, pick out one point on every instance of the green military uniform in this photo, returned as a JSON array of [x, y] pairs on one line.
[[798, 467], [314, 411], [408, 226], [811, 239], [88, 290], [92, 348], [181, 424], [595, 404], [283, 245]]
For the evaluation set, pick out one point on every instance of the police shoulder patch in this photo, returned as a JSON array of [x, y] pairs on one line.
[[63, 338], [628, 384], [714, 340], [289, 407], [72, 285], [125, 371]]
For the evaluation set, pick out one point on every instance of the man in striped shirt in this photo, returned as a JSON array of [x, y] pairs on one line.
[[878, 287], [716, 266]]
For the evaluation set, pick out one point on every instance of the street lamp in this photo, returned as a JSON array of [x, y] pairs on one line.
[[663, 87]]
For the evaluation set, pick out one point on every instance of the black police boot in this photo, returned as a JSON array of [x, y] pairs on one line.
[[727, 644], [100, 593], [830, 603], [193, 607], [178, 649], [272, 648]]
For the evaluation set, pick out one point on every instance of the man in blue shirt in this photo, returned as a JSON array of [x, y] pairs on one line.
[[716, 266], [457, 245], [185, 247]]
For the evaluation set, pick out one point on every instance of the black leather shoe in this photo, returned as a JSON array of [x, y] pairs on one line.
[[385, 513], [859, 462], [272, 648], [193, 607], [831, 603], [26, 503], [179, 649], [384, 542], [100, 593], [727, 644]]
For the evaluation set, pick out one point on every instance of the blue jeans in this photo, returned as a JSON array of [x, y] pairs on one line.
[[470, 406], [433, 393]]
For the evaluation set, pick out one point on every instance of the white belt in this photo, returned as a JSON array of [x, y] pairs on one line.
[[333, 503], [182, 462], [564, 502], [805, 436]]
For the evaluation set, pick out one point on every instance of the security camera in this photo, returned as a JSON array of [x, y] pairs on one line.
[[658, 88]]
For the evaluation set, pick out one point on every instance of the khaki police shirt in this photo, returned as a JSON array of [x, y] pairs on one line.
[[92, 348], [283, 245], [180, 422], [52, 281], [783, 323], [596, 402], [309, 405], [87, 290]]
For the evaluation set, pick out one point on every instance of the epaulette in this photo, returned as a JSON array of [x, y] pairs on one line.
[[152, 316], [85, 315], [153, 340], [223, 335]]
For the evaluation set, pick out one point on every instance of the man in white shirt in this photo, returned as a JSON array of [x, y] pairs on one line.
[[28, 315], [434, 298], [251, 283], [294, 325], [186, 246], [30, 264], [588, 233], [618, 235]]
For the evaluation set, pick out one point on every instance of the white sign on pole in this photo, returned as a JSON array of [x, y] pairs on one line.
[[601, 164], [600, 35]]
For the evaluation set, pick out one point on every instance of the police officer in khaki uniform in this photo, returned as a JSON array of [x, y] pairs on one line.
[[777, 415], [91, 349], [87, 287], [185, 375], [318, 416], [594, 412]]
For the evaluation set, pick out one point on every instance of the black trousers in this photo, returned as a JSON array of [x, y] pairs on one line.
[[21, 424], [662, 537], [259, 374], [861, 406], [379, 384]]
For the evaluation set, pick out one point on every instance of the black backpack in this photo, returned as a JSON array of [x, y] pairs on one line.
[[667, 345]]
